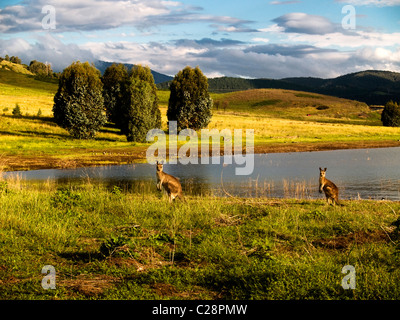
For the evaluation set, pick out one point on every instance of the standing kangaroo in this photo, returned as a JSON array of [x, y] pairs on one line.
[[328, 187], [170, 183]]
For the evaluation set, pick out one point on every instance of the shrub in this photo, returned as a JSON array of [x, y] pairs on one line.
[[391, 115], [140, 111], [17, 111], [65, 198], [190, 103], [78, 103], [115, 245], [114, 80]]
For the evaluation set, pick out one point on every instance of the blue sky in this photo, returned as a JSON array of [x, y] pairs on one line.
[[253, 39]]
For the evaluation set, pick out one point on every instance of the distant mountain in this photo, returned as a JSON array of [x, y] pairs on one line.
[[158, 77], [372, 87]]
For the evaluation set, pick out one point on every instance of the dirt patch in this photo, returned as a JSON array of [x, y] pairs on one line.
[[360, 237], [87, 285], [196, 292], [323, 146], [164, 289]]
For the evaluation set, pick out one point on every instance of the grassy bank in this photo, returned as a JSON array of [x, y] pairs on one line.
[[111, 243]]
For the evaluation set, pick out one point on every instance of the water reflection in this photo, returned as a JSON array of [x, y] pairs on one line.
[[363, 173]]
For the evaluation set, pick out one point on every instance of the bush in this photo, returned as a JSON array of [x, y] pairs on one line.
[[40, 68], [190, 103], [140, 105], [114, 80], [391, 115], [78, 103], [17, 111]]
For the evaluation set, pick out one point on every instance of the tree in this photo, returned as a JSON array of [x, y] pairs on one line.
[[140, 105], [144, 74], [391, 115], [190, 103], [15, 59], [114, 81], [17, 111], [78, 103], [40, 68]]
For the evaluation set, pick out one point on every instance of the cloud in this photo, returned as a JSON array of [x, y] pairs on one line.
[[220, 57], [45, 48], [207, 42], [377, 3], [355, 39], [287, 50], [90, 15], [284, 2], [298, 22]]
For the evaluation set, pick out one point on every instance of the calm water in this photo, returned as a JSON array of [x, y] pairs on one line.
[[363, 173]]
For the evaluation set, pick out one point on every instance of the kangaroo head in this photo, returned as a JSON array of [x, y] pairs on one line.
[[322, 172], [160, 166]]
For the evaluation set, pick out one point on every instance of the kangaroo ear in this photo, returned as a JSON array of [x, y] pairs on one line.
[[325, 169], [157, 161]]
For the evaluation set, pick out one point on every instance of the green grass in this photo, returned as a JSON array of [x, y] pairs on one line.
[[108, 242], [297, 105]]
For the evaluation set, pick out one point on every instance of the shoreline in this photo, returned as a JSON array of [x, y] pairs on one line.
[[138, 154]]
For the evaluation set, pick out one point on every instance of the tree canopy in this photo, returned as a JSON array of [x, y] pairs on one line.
[[391, 115], [140, 112], [190, 103], [78, 103]]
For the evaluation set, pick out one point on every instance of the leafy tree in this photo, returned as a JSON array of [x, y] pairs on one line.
[[190, 103], [140, 105], [78, 103], [16, 60], [114, 81], [391, 115], [40, 68], [144, 74]]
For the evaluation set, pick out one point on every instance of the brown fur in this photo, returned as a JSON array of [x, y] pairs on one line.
[[328, 187], [170, 183]]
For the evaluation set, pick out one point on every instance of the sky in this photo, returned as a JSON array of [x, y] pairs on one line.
[[252, 39]]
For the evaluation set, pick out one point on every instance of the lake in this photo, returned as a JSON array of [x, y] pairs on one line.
[[359, 174]]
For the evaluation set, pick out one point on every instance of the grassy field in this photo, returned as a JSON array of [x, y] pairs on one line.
[[283, 120], [108, 243], [113, 242]]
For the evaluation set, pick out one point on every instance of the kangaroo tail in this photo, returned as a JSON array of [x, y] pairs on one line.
[[339, 203]]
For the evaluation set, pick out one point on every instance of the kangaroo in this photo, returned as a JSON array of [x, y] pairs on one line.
[[170, 183], [329, 188]]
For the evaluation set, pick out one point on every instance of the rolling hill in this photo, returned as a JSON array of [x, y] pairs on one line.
[[372, 87]]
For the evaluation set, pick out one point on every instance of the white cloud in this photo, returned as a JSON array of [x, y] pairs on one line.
[[265, 40], [46, 48], [89, 15], [300, 22], [378, 3]]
